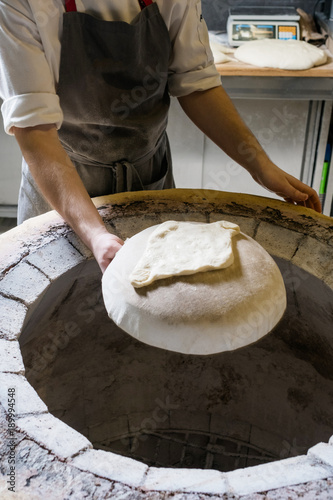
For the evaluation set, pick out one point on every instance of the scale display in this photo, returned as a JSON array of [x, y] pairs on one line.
[[242, 32]]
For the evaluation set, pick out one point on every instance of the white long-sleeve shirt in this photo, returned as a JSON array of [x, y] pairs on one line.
[[30, 46]]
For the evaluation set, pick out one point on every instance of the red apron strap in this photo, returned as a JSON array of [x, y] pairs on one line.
[[70, 6], [145, 3]]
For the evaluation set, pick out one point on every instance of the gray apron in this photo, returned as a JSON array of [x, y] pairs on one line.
[[114, 95]]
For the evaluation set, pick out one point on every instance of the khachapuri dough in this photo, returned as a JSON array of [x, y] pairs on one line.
[[180, 248], [202, 313], [281, 54]]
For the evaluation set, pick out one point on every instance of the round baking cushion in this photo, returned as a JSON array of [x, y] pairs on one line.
[[203, 313]]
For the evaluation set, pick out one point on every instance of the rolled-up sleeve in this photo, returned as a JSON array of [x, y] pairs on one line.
[[27, 85], [192, 64]]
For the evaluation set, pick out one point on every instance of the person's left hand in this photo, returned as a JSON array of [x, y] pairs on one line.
[[288, 187]]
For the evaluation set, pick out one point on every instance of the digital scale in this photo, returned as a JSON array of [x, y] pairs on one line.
[[255, 23]]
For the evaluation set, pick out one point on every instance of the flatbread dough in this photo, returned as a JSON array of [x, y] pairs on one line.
[[181, 248], [203, 313], [281, 54]]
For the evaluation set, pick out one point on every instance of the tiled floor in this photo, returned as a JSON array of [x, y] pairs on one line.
[[6, 223]]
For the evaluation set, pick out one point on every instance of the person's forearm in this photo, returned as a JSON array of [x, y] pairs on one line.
[[58, 180], [214, 113]]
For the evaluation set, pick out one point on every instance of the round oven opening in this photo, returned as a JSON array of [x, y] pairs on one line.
[[268, 401]]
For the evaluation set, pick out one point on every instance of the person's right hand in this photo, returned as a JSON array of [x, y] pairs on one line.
[[104, 247]]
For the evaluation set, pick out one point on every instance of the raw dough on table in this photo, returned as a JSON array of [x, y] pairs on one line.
[[202, 313], [281, 54], [181, 248], [219, 54], [219, 50]]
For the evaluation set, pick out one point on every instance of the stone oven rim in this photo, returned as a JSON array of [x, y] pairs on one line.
[[42, 236]]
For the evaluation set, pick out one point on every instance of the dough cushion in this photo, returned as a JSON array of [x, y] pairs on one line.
[[180, 248], [281, 54], [203, 313]]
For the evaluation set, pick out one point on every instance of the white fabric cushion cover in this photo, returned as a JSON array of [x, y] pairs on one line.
[[203, 313], [281, 54]]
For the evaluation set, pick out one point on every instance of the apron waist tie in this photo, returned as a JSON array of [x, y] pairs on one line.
[[125, 174], [126, 177], [89, 162]]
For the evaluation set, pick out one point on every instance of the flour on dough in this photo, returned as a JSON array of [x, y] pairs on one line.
[[281, 54], [182, 248]]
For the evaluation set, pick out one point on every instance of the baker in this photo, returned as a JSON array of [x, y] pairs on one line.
[[86, 87]]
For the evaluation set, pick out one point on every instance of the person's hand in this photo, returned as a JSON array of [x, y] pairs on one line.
[[104, 247], [288, 187]]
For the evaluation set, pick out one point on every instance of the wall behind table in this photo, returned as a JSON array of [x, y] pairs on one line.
[[215, 12]]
